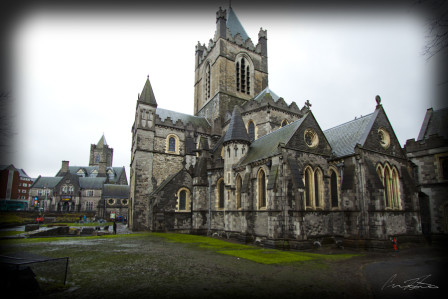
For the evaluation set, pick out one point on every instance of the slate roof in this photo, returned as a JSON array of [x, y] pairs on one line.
[[267, 145], [236, 131], [234, 24], [435, 123], [74, 170], [196, 121], [92, 183], [116, 191], [265, 93], [48, 182], [147, 95], [343, 138]]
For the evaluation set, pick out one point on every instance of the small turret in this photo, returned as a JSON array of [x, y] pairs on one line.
[[147, 95], [221, 28]]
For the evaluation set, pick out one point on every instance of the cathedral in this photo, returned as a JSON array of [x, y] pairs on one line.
[[249, 166]]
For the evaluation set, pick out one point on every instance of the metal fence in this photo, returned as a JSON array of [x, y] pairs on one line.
[[27, 273]]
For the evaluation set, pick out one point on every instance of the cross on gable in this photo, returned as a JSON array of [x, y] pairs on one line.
[[308, 104]]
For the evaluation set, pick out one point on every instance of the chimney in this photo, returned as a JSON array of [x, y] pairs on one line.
[[102, 169], [64, 168]]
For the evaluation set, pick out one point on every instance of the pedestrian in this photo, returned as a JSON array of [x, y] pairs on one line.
[[395, 244], [115, 227]]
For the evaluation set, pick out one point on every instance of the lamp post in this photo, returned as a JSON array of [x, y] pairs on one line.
[[209, 220], [45, 202]]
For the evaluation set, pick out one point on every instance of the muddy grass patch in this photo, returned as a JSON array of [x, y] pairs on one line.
[[252, 253]]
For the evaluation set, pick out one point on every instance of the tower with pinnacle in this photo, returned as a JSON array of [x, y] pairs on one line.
[[101, 152], [230, 70]]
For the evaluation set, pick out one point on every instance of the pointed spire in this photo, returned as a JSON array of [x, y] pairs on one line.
[[147, 95], [234, 24], [236, 130], [102, 142]]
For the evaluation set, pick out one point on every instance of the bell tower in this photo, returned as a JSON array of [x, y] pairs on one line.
[[230, 70]]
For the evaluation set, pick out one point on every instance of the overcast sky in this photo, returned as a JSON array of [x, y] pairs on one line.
[[77, 73]]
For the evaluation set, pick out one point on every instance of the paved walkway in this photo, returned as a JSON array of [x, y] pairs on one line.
[[416, 273]]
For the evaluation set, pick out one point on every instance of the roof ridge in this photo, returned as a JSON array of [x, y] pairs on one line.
[[356, 119]]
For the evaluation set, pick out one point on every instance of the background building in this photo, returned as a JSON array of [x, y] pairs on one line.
[[429, 156], [82, 188], [14, 188]]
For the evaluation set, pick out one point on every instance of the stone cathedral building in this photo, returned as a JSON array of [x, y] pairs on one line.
[[252, 167]]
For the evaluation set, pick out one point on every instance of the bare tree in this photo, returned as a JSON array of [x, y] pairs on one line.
[[437, 21], [6, 131]]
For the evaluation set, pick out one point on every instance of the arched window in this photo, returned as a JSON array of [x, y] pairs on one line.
[[395, 189], [183, 199], [313, 187], [334, 189], [391, 182], [308, 187], [388, 187], [243, 75], [207, 82], [317, 188], [261, 189], [251, 130], [172, 144], [220, 193], [239, 183], [284, 123]]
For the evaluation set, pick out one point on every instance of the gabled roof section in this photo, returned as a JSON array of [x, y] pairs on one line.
[[267, 146], [92, 183], [46, 182], [343, 138], [234, 24], [196, 121], [435, 123], [147, 95], [236, 130]]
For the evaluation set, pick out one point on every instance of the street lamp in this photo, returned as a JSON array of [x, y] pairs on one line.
[[209, 220]]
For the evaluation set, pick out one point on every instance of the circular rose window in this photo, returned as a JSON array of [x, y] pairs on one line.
[[111, 201], [311, 138], [384, 138]]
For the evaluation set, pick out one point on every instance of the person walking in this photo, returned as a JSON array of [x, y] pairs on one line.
[[115, 227]]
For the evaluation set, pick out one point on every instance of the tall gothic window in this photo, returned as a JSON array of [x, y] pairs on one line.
[[317, 188], [308, 187], [261, 189], [390, 179], [313, 187], [334, 189], [243, 74], [251, 130], [207, 82], [239, 183], [182, 200], [220, 188]]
